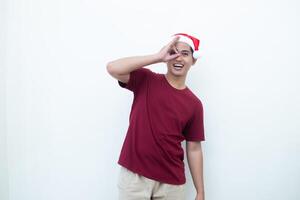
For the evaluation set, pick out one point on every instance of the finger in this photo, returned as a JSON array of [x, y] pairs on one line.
[[173, 50], [174, 56], [176, 50], [173, 41]]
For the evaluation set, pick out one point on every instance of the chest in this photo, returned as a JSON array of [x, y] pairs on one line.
[[174, 109]]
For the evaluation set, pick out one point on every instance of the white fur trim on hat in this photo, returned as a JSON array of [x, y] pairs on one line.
[[186, 40], [196, 54]]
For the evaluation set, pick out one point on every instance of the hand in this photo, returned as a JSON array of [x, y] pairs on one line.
[[169, 52], [199, 197]]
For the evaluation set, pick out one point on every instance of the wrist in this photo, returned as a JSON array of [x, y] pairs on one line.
[[200, 192], [200, 196], [157, 58]]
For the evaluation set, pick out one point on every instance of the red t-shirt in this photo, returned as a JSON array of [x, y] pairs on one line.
[[161, 118]]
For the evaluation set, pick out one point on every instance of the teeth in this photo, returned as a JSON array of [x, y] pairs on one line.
[[178, 65]]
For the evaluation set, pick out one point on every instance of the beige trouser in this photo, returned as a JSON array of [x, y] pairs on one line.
[[133, 186]]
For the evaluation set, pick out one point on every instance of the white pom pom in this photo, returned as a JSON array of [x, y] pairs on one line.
[[196, 54]]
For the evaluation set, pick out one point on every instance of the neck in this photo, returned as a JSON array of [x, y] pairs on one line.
[[177, 82]]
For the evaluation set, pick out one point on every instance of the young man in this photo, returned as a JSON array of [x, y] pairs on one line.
[[164, 112]]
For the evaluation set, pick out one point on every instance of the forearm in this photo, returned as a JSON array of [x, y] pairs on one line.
[[126, 65], [195, 161]]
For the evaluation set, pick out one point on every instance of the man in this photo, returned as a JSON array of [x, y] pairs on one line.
[[164, 112]]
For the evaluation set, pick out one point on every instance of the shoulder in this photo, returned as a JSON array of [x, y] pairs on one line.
[[194, 98], [141, 74], [142, 70], [195, 102]]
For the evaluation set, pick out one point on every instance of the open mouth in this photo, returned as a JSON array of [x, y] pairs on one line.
[[178, 66]]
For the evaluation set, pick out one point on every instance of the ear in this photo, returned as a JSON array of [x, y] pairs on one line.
[[194, 61]]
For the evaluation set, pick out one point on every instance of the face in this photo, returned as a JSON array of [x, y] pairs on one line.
[[181, 65]]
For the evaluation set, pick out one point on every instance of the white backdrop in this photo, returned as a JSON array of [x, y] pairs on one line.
[[63, 118]]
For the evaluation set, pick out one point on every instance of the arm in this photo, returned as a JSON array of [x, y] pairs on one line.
[[121, 68], [195, 161]]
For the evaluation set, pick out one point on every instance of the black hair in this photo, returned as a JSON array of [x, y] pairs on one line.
[[192, 50]]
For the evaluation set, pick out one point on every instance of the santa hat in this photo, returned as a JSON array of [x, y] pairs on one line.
[[191, 41]]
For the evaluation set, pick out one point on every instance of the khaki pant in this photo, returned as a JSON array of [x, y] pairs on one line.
[[133, 186]]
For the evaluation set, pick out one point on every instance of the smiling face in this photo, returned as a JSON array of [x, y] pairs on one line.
[[181, 65]]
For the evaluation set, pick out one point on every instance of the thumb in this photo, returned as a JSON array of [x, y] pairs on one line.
[[173, 56]]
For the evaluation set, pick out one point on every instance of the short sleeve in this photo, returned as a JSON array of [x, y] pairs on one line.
[[136, 79], [194, 129]]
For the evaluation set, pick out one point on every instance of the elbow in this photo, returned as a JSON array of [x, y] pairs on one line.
[[109, 68], [193, 146]]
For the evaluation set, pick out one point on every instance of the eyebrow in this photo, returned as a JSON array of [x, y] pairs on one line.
[[185, 50]]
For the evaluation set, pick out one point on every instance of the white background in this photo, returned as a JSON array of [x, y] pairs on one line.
[[63, 118]]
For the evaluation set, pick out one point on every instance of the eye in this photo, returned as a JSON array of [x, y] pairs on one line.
[[185, 53], [172, 52]]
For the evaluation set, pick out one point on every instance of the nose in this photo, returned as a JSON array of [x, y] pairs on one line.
[[180, 54], [179, 57]]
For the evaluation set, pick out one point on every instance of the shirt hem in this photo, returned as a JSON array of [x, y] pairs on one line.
[[150, 177]]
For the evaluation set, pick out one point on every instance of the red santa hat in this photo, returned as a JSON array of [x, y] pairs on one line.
[[191, 41]]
